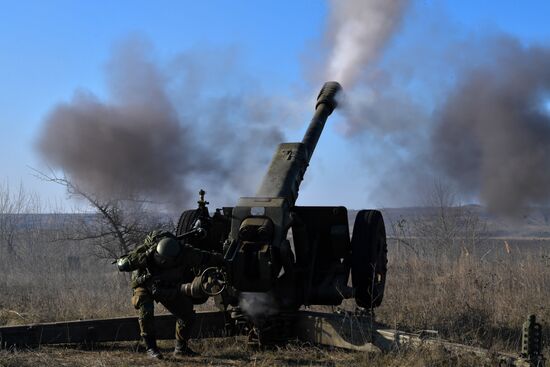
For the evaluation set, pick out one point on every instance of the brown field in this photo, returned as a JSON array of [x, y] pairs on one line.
[[474, 297]]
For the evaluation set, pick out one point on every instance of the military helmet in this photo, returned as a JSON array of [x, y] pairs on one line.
[[167, 251]]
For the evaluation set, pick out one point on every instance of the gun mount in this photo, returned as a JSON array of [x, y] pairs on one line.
[[298, 255]]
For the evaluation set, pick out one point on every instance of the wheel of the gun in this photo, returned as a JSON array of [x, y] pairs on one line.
[[187, 221], [185, 224], [369, 258], [213, 281]]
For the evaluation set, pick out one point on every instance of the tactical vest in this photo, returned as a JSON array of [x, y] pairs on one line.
[[139, 256]]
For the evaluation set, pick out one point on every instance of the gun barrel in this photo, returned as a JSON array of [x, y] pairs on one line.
[[290, 161], [326, 103]]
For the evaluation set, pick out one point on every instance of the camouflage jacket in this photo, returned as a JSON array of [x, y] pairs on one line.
[[189, 263]]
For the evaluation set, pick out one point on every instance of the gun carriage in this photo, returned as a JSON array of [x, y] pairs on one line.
[[298, 255]]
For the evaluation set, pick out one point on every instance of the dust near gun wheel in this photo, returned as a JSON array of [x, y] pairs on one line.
[[369, 258]]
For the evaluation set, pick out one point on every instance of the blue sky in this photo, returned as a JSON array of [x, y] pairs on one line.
[[49, 49]]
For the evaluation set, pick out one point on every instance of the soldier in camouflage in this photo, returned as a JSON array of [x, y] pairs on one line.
[[160, 266]]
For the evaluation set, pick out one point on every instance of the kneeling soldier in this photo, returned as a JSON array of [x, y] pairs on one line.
[[160, 266]]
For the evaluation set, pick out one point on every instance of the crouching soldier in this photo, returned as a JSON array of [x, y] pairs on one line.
[[160, 267]]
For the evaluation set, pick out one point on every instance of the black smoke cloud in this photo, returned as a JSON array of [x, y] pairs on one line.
[[492, 134], [166, 130], [442, 105], [435, 105]]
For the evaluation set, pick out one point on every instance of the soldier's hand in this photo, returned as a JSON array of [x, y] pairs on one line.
[[211, 282]]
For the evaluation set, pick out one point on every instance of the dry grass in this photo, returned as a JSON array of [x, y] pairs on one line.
[[232, 352], [467, 299], [478, 300]]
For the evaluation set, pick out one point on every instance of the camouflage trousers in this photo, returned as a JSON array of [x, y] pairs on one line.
[[181, 307]]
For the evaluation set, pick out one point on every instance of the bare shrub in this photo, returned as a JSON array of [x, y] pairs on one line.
[[15, 207], [442, 227], [116, 225], [46, 275]]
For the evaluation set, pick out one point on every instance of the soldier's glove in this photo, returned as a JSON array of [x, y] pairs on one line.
[[213, 281], [164, 294], [123, 264]]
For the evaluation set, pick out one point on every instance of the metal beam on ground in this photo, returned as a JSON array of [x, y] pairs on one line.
[[207, 324]]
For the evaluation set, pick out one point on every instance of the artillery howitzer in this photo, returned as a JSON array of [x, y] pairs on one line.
[[290, 256], [312, 264]]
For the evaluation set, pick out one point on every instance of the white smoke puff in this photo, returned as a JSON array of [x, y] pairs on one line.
[[358, 31], [257, 305]]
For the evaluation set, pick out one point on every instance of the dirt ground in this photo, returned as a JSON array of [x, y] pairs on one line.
[[228, 352]]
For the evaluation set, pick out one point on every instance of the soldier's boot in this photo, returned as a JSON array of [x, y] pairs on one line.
[[182, 349], [183, 328], [152, 349]]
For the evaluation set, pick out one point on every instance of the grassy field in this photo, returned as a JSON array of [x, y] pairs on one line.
[[468, 299], [476, 297]]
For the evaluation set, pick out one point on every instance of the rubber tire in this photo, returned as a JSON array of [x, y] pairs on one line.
[[369, 258], [187, 220]]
